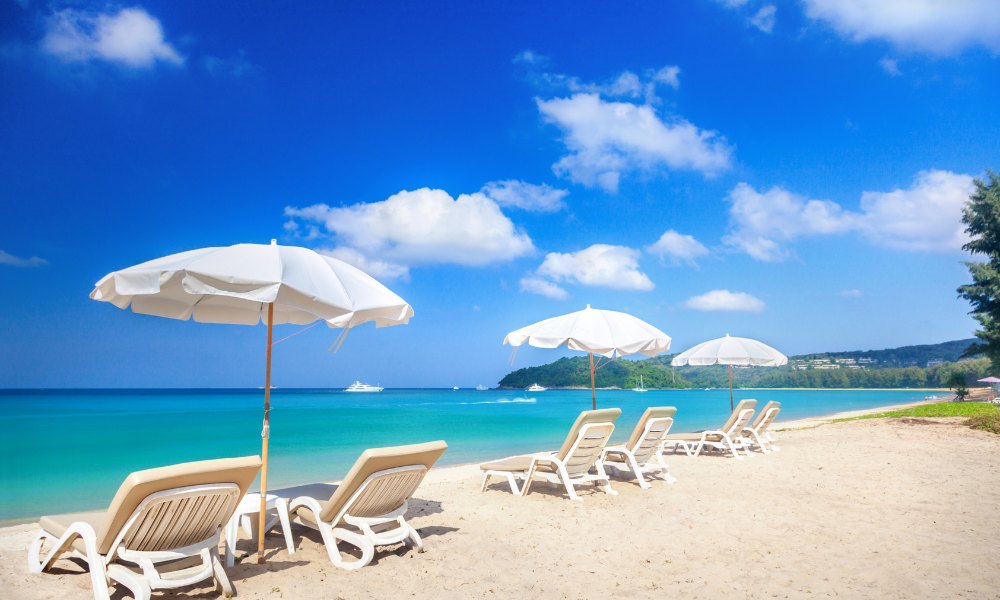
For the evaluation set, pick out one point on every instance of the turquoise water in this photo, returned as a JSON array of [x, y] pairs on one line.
[[69, 450]]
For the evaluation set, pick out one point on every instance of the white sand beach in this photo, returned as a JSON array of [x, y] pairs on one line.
[[862, 509]]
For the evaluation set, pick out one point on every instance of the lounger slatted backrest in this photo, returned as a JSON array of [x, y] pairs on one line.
[[767, 416], [587, 438], [738, 420], [179, 518], [141, 485], [654, 424], [388, 489]]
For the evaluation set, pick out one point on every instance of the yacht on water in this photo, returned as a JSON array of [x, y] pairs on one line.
[[481, 388], [535, 388], [640, 387], [454, 388], [357, 386]]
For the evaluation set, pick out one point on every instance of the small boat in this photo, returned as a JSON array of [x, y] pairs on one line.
[[639, 388], [357, 386], [535, 388], [481, 388], [454, 388]]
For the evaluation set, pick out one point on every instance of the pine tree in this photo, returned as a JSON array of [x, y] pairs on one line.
[[982, 219]]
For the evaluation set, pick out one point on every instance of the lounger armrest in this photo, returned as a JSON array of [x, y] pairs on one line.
[[306, 502]]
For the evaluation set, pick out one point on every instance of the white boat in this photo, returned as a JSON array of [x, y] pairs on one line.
[[639, 388], [357, 386], [535, 388], [481, 388], [454, 388]]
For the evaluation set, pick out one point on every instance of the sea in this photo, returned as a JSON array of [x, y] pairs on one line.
[[69, 450]]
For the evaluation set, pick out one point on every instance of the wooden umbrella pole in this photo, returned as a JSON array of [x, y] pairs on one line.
[[730, 388], [265, 433], [593, 390]]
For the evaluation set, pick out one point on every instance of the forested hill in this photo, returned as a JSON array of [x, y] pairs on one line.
[[930, 365]]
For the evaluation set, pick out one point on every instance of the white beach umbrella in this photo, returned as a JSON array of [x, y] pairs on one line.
[[604, 332], [251, 283], [731, 351]]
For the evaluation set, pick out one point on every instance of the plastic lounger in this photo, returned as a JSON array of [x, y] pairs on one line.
[[158, 516], [367, 508], [570, 466], [643, 453], [728, 437]]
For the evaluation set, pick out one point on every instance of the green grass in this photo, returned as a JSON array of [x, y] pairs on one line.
[[980, 415]]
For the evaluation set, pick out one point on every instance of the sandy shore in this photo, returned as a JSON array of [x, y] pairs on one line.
[[861, 509]]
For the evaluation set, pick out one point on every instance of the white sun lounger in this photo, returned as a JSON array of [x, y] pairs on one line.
[[728, 437], [158, 516], [643, 453], [367, 508], [759, 432], [571, 465]]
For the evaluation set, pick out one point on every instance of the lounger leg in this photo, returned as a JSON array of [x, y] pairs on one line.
[[634, 465], [281, 506], [330, 536], [137, 584], [665, 469], [759, 442], [232, 534], [221, 578], [95, 562], [564, 476], [414, 536], [486, 481], [607, 480], [732, 447]]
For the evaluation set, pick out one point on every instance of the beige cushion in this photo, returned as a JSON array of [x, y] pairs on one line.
[[515, 464], [380, 459], [653, 412], [683, 437], [57, 525], [744, 404]]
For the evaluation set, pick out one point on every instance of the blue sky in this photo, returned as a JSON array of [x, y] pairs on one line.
[[790, 171]]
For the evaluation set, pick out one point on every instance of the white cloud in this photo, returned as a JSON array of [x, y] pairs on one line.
[[16, 261], [764, 18], [131, 37], [537, 285], [936, 26], [379, 269], [526, 196], [627, 84], [851, 294], [678, 247], [724, 300], [417, 227], [599, 265], [761, 222], [609, 139], [890, 66], [927, 216]]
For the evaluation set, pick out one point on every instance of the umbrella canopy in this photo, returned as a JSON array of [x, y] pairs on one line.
[[250, 283], [731, 351], [988, 380], [235, 284], [606, 333]]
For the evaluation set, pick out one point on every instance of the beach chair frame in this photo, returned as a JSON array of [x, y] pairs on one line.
[[576, 468], [645, 457], [375, 529], [760, 436], [166, 526]]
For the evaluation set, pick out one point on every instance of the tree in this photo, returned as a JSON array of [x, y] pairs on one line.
[[957, 383], [981, 216]]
